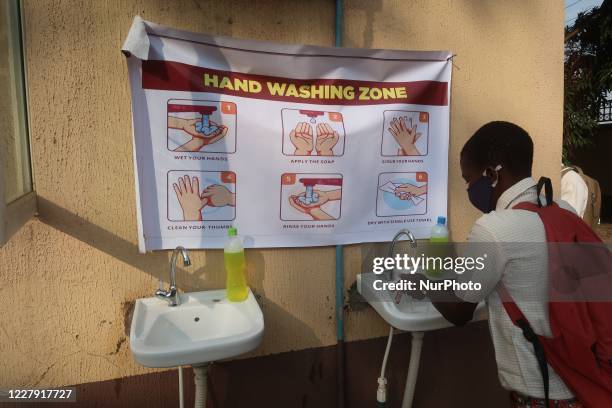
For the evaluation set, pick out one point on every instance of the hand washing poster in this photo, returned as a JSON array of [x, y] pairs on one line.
[[293, 145]]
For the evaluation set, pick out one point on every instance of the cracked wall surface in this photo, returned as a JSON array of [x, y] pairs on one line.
[[72, 274]]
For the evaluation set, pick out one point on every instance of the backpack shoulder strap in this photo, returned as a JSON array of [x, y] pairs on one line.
[[519, 320], [547, 184]]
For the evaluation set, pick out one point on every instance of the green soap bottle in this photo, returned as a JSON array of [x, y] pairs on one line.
[[233, 254], [438, 246]]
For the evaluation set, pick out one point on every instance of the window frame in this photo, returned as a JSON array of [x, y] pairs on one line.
[[15, 214]]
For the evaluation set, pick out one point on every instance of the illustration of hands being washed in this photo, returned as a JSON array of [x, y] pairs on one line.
[[311, 202], [408, 191], [203, 132], [405, 134], [193, 201]]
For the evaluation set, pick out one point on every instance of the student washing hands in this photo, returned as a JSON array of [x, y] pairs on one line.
[[496, 165]]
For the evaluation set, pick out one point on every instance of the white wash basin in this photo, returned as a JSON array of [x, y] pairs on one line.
[[409, 314], [204, 327]]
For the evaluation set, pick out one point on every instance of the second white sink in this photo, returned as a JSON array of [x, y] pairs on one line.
[[409, 314]]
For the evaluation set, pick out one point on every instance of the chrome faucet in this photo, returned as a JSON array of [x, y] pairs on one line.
[[171, 295], [413, 244]]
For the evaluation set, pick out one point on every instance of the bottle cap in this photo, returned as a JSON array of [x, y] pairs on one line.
[[232, 231], [441, 220]]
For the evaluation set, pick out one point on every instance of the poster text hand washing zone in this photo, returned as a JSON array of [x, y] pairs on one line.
[[294, 145]]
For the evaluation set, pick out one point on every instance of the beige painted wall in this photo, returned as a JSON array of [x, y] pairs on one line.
[[69, 277]]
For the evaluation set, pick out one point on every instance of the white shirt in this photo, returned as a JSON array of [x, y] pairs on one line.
[[523, 269], [574, 191]]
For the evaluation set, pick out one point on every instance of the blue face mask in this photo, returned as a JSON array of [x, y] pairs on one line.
[[481, 190]]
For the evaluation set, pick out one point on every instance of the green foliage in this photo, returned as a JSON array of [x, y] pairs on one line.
[[587, 74]]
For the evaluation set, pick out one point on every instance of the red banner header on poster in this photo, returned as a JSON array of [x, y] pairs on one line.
[[175, 76]]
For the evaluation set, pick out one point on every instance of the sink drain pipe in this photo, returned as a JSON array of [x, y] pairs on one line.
[[413, 369], [339, 259], [200, 373], [180, 387]]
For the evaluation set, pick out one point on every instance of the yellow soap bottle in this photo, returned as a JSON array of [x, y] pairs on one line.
[[233, 254]]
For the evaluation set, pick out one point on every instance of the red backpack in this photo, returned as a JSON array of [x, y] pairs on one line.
[[580, 349]]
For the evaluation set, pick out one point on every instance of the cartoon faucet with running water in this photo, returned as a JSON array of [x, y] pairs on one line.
[[205, 126], [310, 197], [313, 115]]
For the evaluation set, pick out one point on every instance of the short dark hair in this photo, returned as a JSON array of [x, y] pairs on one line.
[[501, 143]]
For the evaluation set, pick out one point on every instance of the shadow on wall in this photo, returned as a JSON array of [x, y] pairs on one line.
[[460, 373], [374, 8], [156, 264]]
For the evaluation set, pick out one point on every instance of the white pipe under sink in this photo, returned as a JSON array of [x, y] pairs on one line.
[[381, 393], [200, 375], [181, 394], [413, 368]]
